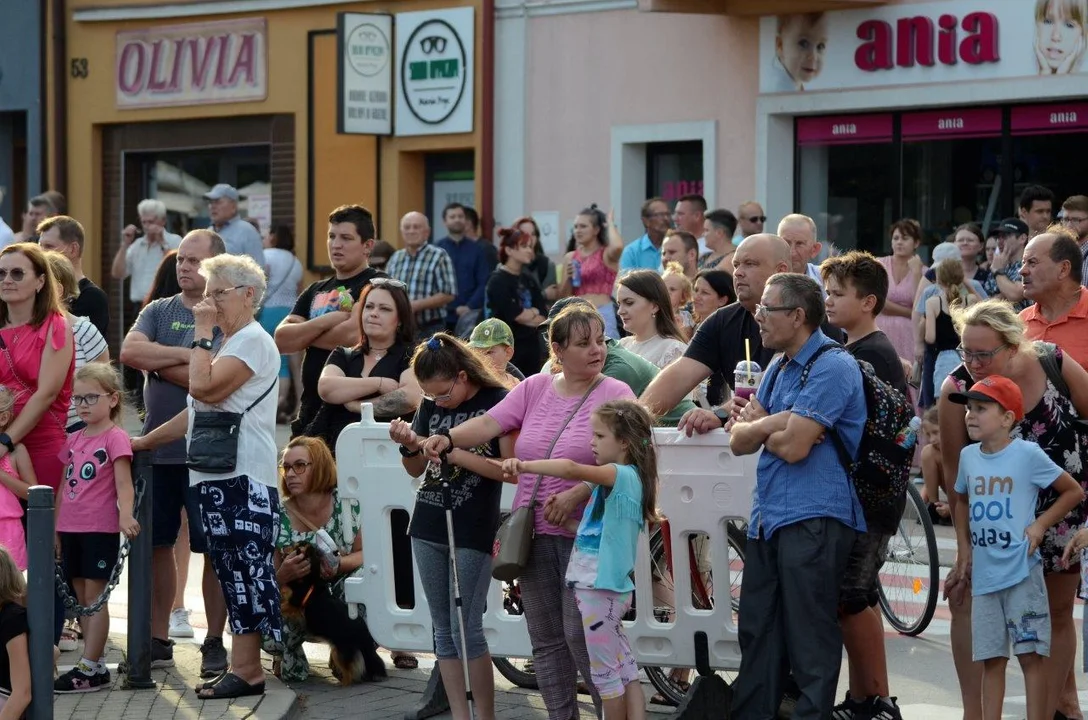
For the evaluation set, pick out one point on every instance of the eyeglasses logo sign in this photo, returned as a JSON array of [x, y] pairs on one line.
[[433, 72], [368, 50]]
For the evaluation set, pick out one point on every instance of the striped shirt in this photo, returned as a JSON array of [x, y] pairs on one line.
[[89, 344], [429, 273], [816, 487]]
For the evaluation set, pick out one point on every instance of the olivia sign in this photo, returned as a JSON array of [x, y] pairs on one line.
[[201, 63], [921, 43]]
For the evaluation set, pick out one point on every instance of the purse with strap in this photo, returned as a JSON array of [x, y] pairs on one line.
[[213, 444], [514, 539]]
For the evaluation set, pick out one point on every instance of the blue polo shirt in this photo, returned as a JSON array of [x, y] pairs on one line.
[[640, 255], [470, 266], [817, 486]]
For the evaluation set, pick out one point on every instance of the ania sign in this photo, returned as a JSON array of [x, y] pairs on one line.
[[365, 95], [921, 43], [215, 62], [435, 58]]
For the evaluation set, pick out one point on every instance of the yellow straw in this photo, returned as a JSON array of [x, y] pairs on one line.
[[748, 359]]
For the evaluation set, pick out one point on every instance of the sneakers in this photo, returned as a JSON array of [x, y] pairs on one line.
[[179, 624], [162, 653], [82, 678], [68, 640], [214, 661], [871, 708]]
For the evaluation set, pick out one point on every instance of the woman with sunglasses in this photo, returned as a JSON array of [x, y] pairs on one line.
[[457, 386], [376, 371], [311, 504], [992, 342]]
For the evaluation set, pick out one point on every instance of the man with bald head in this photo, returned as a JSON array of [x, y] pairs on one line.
[[800, 232], [718, 344], [427, 271], [750, 219], [1052, 276]]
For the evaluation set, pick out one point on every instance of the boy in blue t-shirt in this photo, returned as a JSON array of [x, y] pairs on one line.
[[998, 537]]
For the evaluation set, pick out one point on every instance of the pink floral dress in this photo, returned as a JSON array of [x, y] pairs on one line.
[[1052, 424]]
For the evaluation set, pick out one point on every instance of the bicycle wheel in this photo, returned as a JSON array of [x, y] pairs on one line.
[[519, 671], [910, 578], [670, 682]]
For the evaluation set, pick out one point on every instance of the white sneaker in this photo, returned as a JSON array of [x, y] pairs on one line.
[[179, 624], [68, 641]]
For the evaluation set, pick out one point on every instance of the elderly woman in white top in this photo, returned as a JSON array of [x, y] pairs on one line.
[[239, 503]]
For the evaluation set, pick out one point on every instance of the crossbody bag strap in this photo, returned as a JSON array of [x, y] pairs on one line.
[[297, 515], [275, 382], [278, 285], [539, 478]]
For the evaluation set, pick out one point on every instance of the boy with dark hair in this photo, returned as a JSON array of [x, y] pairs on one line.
[[857, 288]]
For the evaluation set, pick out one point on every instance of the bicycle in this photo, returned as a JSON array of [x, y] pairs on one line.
[[910, 578], [518, 671]]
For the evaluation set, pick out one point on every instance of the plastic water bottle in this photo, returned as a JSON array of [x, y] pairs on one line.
[[908, 436], [575, 273]]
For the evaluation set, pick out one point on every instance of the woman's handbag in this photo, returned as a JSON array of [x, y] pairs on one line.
[[514, 539], [213, 444]]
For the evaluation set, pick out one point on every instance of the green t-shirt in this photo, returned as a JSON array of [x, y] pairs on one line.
[[638, 372]]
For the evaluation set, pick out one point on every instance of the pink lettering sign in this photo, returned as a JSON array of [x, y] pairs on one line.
[[844, 129], [674, 190], [924, 41], [201, 63], [1055, 118], [960, 123]]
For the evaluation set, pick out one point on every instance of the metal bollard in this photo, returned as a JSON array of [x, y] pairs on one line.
[[40, 599], [140, 584]]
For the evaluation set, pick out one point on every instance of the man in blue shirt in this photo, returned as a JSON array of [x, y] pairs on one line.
[[471, 268], [805, 513], [645, 252], [240, 237]]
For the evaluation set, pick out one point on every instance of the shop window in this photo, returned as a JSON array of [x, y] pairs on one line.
[[450, 178], [1045, 139], [180, 179], [674, 169], [844, 182]]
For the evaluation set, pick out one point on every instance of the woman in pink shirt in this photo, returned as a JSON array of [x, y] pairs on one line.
[[537, 408], [592, 262]]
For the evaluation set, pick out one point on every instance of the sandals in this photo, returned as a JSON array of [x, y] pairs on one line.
[[228, 686], [659, 699], [405, 662]]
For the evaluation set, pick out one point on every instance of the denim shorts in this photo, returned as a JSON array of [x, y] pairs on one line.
[[860, 586]]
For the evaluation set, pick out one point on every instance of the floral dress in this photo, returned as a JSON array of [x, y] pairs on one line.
[[1053, 425], [343, 526]]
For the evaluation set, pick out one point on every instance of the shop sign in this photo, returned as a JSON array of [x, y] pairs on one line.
[[435, 72], [844, 129], [1048, 119], [959, 123], [920, 43], [214, 62], [365, 87]]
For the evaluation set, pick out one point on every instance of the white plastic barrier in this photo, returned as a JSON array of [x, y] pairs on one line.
[[703, 487]]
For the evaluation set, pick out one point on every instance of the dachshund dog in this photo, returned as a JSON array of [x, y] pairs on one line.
[[309, 599]]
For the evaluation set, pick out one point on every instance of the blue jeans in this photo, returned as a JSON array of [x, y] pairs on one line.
[[474, 577]]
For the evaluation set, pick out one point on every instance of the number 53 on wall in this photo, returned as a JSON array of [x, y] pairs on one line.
[[80, 68]]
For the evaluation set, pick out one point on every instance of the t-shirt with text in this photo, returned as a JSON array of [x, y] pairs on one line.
[[473, 499], [1002, 489], [88, 496], [321, 298]]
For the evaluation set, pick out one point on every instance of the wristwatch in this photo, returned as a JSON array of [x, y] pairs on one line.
[[405, 452], [722, 415], [203, 344], [5, 440]]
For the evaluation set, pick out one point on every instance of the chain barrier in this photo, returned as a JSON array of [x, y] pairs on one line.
[[70, 602]]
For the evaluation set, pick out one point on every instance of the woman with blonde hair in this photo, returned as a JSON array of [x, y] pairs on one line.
[[941, 337], [1061, 30], [992, 342]]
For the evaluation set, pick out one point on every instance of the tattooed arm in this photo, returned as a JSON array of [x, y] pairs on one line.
[[401, 400]]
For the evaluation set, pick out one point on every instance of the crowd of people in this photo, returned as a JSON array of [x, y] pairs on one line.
[[494, 364]]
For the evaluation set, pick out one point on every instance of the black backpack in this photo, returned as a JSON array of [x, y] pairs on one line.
[[882, 469]]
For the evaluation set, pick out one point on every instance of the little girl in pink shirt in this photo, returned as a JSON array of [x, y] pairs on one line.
[[16, 477]]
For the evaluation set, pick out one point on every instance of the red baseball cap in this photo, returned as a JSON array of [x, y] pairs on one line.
[[995, 388]]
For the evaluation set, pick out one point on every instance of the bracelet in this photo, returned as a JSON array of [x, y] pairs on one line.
[[405, 452], [444, 432]]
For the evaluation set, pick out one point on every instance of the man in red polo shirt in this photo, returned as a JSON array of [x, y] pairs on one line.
[[1052, 275]]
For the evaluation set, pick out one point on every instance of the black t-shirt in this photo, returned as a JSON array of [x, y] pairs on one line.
[[93, 304], [331, 419], [718, 343], [318, 299], [877, 350], [12, 624], [475, 500], [507, 295]]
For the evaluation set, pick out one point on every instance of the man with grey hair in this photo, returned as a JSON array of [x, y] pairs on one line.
[[805, 513], [161, 344], [139, 257], [427, 271], [800, 232], [38, 209], [240, 237]]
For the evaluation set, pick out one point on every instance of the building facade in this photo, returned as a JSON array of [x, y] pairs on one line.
[[22, 113]]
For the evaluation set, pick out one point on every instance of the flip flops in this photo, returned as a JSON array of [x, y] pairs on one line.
[[228, 686]]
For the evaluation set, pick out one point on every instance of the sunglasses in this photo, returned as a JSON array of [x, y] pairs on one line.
[[388, 282], [757, 219], [17, 274]]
